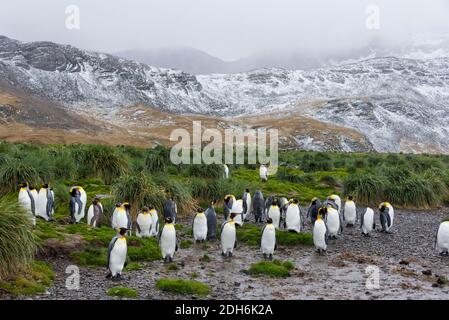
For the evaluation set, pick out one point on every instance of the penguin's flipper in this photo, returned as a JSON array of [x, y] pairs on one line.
[[110, 247], [388, 218], [362, 216], [383, 221], [138, 228]]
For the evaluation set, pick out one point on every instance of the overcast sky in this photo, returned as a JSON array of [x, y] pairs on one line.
[[229, 29]]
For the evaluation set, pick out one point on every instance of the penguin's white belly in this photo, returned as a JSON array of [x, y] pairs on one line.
[[83, 199], [248, 206], [338, 203], [333, 222], [391, 213], [228, 237], [90, 215], [154, 225], [238, 219], [144, 222], [368, 221], [200, 228], [275, 215], [268, 242], [168, 242], [41, 204], [350, 213], [25, 201], [443, 237], [319, 235], [121, 220], [118, 257], [293, 219]]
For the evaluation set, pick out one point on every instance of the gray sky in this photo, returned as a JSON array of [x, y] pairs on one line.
[[229, 29]]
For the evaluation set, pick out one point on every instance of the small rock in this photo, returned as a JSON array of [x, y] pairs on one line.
[[404, 262], [427, 272], [237, 284]]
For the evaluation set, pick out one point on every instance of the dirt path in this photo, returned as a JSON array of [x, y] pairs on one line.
[[401, 257]]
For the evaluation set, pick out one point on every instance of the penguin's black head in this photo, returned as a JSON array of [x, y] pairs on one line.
[[122, 231], [45, 186], [150, 207], [23, 185], [145, 209], [350, 198], [382, 208], [212, 203], [127, 205], [295, 201], [118, 204], [233, 214], [269, 220], [168, 220], [200, 210], [247, 190], [96, 200], [32, 188], [322, 211], [274, 202]]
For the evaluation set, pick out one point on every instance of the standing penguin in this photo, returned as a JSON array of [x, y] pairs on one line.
[[319, 232], [333, 222], [95, 213], [283, 205], [337, 200], [226, 171], [312, 211], [247, 204], [170, 209], [263, 173], [228, 237], [77, 204], [367, 222], [211, 217], [228, 201], [274, 213], [237, 208], [45, 203], [120, 217], [350, 212], [117, 255], [199, 226], [386, 216], [167, 240], [143, 223], [258, 206], [293, 217], [268, 242], [155, 223], [442, 239], [27, 201]]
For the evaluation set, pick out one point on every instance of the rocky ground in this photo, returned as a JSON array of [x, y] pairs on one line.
[[408, 266]]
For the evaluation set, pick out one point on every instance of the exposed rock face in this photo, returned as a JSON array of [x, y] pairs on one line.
[[396, 104]]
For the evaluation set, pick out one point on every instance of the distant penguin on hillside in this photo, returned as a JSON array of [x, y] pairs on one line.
[[95, 213], [350, 212], [367, 222], [170, 210], [258, 204], [121, 217], [312, 211], [293, 217], [211, 217], [78, 198], [226, 171], [155, 223], [442, 239], [167, 240], [274, 213], [144, 222], [320, 233], [228, 237], [263, 173], [199, 226], [386, 216], [228, 202], [45, 205], [117, 255], [268, 241], [27, 201], [247, 204], [237, 208]]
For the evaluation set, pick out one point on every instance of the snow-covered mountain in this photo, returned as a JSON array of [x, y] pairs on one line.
[[399, 104]]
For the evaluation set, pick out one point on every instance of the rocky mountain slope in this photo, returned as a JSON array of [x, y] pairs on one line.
[[396, 104]]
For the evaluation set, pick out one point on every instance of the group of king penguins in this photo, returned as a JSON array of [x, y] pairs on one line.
[[275, 213]]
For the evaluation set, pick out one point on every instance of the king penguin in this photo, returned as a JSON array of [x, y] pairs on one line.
[[313, 209], [27, 201], [268, 241], [367, 222], [155, 223], [319, 232], [258, 206], [95, 213], [121, 217], [167, 240], [337, 200], [78, 198], [442, 239], [143, 223], [247, 204], [350, 212], [293, 217], [386, 216], [225, 171], [45, 205], [117, 255], [170, 209], [228, 201], [211, 217], [199, 226], [274, 213], [333, 221], [237, 208], [263, 173], [228, 237]]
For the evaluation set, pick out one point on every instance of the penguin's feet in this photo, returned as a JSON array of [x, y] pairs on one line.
[[270, 257], [264, 255], [166, 259], [115, 278], [223, 254], [230, 254], [170, 259]]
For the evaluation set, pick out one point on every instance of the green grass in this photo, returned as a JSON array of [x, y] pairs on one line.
[[185, 244], [183, 287], [172, 267], [274, 269], [34, 281], [122, 292]]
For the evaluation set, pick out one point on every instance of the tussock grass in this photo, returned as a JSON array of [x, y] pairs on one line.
[[183, 287], [122, 292], [274, 269]]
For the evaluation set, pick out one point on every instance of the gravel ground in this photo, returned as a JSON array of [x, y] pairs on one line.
[[408, 268]]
